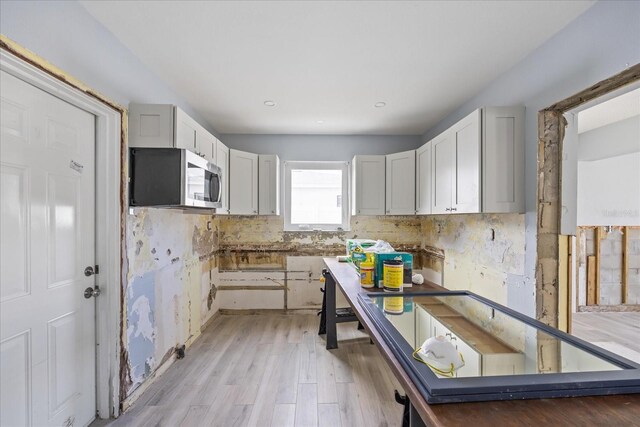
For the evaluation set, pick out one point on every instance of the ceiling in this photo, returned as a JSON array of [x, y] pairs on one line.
[[330, 62], [614, 110]]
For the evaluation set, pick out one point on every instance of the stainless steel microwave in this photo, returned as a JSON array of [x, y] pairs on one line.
[[172, 177]]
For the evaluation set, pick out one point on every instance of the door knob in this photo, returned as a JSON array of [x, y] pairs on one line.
[[89, 271], [92, 292]]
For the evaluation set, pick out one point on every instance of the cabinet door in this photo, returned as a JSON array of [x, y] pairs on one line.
[[268, 184], [243, 183], [205, 144], [369, 185], [423, 326], [186, 131], [151, 125], [442, 173], [472, 359], [466, 183], [503, 159], [401, 183], [423, 179], [222, 161]]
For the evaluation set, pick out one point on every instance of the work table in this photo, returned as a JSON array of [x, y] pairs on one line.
[[592, 410]]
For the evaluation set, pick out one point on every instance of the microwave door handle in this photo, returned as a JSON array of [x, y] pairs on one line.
[[219, 195]]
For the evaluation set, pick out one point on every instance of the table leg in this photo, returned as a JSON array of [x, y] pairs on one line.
[[330, 295], [414, 417]]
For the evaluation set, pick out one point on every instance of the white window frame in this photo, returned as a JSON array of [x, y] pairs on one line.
[[346, 199]]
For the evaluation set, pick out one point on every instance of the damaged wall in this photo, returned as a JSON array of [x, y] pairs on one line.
[[483, 253], [168, 292], [264, 267]]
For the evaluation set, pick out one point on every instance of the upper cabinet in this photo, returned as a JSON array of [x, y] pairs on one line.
[[243, 183], [222, 161], [268, 184], [423, 179], [466, 139], [165, 126], [503, 159], [401, 183], [368, 183], [478, 163]]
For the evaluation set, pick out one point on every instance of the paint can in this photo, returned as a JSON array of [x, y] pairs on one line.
[[366, 275], [393, 305], [393, 272]]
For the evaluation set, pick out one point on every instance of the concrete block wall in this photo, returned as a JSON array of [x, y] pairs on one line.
[[633, 265], [610, 268]]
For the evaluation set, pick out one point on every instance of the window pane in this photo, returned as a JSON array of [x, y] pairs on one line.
[[316, 196]]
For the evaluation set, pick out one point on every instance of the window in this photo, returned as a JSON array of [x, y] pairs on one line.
[[316, 196]]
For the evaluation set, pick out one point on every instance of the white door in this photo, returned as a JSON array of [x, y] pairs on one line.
[[243, 183], [401, 183], [369, 182], [47, 333]]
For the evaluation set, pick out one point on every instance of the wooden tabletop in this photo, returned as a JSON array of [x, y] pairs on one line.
[[610, 411]]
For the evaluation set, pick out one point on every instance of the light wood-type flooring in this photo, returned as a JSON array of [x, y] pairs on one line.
[[616, 332], [271, 370]]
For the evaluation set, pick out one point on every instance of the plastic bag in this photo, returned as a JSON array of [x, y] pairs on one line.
[[380, 247]]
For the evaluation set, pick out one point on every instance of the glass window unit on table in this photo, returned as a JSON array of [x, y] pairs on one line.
[[496, 353]]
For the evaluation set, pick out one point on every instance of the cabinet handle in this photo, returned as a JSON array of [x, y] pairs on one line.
[[255, 211], [448, 209], [388, 211], [454, 209]]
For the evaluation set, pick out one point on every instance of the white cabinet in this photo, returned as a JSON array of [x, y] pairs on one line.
[[167, 126], [368, 183], [401, 183], [466, 136], [186, 130], [243, 183], [268, 184], [442, 173], [456, 167], [222, 161], [478, 163], [423, 179], [503, 159]]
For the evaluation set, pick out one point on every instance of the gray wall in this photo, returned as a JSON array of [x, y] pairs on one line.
[[321, 147], [598, 44], [612, 140], [65, 34]]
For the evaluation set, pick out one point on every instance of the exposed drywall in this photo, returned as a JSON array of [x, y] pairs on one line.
[[482, 253], [171, 257], [586, 51], [322, 147]]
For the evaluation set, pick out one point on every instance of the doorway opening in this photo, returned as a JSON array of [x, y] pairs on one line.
[[564, 194]]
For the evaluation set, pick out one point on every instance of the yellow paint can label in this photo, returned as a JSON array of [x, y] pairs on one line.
[[393, 305], [393, 272]]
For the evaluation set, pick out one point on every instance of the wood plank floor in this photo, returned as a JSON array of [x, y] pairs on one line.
[[271, 370], [616, 332]]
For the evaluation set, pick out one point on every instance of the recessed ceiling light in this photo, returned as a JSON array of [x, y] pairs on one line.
[[270, 103], [379, 104], [320, 122]]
